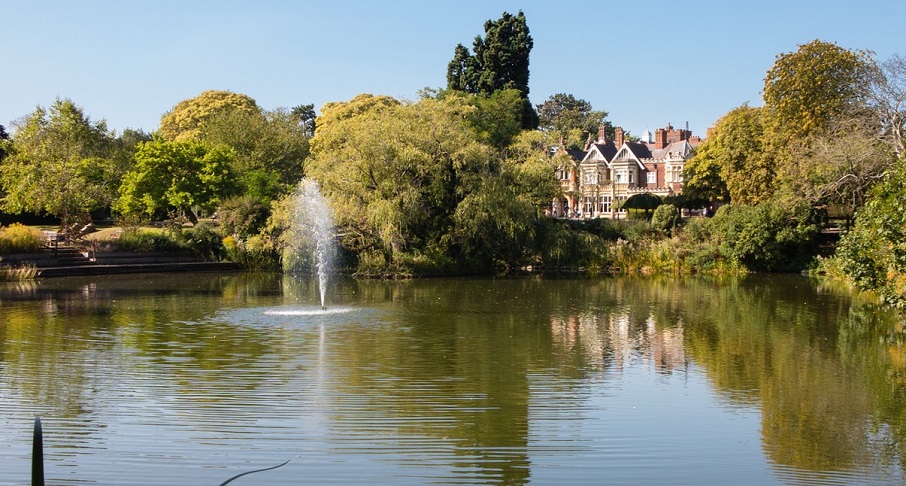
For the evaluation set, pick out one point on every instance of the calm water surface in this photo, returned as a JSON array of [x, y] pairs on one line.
[[191, 379]]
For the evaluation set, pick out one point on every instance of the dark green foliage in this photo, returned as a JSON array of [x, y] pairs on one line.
[[572, 120], [768, 237], [306, 116], [665, 218], [3, 137], [242, 215], [873, 253], [566, 244], [204, 241], [500, 61], [645, 201]]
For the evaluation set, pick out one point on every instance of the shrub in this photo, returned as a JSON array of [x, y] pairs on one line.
[[665, 218], [18, 238], [253, 254], [767, 237], [203, 240], [134, 239], [873, 253], [243, 215]]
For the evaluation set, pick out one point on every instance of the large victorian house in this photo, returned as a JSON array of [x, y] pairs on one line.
[[610, 171]]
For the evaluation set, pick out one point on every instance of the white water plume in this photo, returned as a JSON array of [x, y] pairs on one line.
[[313, 241]]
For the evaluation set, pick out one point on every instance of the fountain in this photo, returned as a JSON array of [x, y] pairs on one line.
[[312, 235]]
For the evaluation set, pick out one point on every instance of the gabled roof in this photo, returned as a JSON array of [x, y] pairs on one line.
[[634, 151], [601, 151]]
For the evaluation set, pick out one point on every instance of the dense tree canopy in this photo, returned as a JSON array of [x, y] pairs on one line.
[[571, 120], [806, 89], [735, 152], [500, 61], [415, 182], [187, 119], [60, 164], [176, 175], [269, 148]]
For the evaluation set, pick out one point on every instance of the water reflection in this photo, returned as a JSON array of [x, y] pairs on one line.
[[480, 381]]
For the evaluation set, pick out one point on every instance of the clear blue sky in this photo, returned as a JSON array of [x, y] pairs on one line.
[[646, 64]]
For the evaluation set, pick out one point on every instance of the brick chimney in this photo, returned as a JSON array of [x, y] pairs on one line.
[[660, 138], [618, 136], [602, 134]]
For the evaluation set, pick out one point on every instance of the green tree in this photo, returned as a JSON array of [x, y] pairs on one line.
[[414, 185], [702, 180], [665, 218], [873, 253], [306, 116], [3, 138], [176, 175], [497, 118], [187, 119], [732, 161], [500, 61], [769, 237], [59, 164], [269, 149], [392, 182], [500, 222], [571, 120]]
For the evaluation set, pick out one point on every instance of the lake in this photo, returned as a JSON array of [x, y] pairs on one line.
[[191, 379]]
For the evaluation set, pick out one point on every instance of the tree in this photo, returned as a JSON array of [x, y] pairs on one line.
[[571, 120], [806, 89], [499, 223], [306, 116], [3, 142], [59, 164], [497, 118], [702, 180], [887, 99], [176, 175], [269, 149], [500, 61], [644, 201], [415, 187], [873, 253], [187, 119], [839, 165], [735, 152]]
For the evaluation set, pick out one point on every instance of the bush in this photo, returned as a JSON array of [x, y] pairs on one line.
[[203, 240], [254, 254], [18, 238], [665, 218], [767, 237], [134, 239], [873, 253], [243, 215]]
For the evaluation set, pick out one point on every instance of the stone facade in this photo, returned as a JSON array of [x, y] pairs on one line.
[[610, 171]]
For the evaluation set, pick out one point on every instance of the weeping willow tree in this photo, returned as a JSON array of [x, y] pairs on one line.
[[416, 188]]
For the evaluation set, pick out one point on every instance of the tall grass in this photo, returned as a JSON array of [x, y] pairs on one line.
[[19, 273], [18, 238]]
